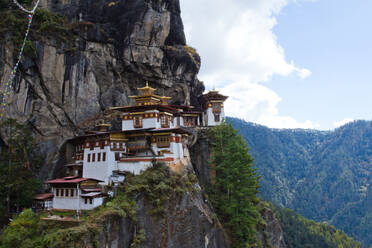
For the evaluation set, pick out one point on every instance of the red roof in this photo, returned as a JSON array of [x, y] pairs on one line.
[[43, 196], [71, 180]]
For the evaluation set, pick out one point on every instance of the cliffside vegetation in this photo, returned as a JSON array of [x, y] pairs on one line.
[[19, 164], [234, 191], [45, 24], [156, 185], [325, 176], [304, 233]]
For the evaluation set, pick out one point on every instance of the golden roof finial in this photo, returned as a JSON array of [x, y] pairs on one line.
[[147, 90], [103, 124], [214, 89], [103, 127]]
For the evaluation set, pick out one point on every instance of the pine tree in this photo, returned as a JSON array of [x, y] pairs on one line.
[[234, 193]]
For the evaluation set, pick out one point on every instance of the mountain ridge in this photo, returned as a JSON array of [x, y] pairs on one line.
[[323, 175]]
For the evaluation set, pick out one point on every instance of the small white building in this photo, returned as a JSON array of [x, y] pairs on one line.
[[76, 193], [213, 108]]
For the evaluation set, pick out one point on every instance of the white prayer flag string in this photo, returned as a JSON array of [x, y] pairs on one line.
[[9, 84]]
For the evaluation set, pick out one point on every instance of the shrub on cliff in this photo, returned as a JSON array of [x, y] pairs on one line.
[[23, 232], [233, 194]]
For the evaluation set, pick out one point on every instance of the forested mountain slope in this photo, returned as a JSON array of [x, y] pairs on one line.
[[325, 176], [300, 232]]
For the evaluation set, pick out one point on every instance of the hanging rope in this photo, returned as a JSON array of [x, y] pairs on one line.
[[8, 85]]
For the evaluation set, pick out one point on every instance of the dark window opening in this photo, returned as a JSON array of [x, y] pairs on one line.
[[137, 121]]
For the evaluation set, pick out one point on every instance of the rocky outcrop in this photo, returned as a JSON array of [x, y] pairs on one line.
[[188, 223], [117, 47], [270, 232], [200, 154]]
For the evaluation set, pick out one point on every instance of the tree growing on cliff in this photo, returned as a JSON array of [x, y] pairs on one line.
[[236, 185], [18, 167]]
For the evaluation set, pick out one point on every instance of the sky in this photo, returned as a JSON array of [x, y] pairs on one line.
[[286, 63]]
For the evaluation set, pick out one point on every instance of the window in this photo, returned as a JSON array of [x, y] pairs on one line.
[[85, 200], [103, 156], [137, 121], [88, 158], [72, 191], [57, 192], [62, 192], [189, 121], [117, 156], [90, 201], [164, 121], [99, 157], [93, 157], [102, 145], [91, 146], [216, 117], [163, 141]]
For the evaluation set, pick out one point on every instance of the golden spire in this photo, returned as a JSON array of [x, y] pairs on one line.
[[147, 90], [103, 127], [214, 90]]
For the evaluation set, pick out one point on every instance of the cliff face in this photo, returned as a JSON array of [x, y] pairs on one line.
[[188, 223], [270, 233], [118, 46]]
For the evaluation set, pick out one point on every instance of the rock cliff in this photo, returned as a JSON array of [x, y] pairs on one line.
[[189, 222], [270, 233], [113, 48]]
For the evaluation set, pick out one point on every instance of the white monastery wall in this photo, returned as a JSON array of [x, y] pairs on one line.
[[63, 202], [98, 169], [134, 167], [96, 202]]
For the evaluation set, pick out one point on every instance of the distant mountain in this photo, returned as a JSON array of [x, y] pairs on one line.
[[323, 175]]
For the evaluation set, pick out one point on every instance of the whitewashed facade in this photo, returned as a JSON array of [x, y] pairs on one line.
[[152, 131]]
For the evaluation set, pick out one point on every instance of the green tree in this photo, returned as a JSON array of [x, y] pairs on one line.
[[23, 232], [18, 167], [236, 185]]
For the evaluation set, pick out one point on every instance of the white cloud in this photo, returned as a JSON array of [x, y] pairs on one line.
[[337, 124], [239, 50], [236, 41], [257, 103]]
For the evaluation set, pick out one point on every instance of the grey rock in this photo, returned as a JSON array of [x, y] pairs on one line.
[[63, 90]]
